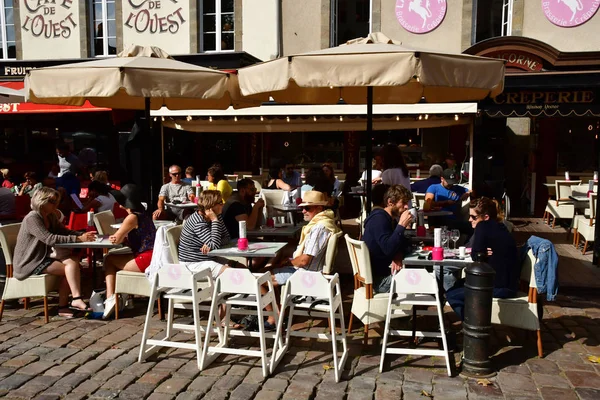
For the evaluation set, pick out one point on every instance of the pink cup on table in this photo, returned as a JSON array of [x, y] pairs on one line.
[[437, 254], [242, 244]]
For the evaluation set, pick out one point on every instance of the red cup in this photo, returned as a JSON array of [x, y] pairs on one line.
[[242, 244], [298, 201], [437, 254], [270, 223], [421, 231]]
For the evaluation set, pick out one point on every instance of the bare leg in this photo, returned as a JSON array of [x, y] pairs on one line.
[[269, 307], [63, 293], [114, 263], [69, 268]]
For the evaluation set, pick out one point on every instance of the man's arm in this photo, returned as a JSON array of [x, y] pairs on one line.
[[429, 198], [160, 205], [314, 244], [254, 217]]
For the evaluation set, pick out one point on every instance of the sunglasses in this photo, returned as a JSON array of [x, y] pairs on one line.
[[473, 217], [175, 173], [306, 208]]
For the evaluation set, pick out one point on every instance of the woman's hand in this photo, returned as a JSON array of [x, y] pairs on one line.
[[112, 239], [205, 249], [211, 215], [87, 237], [376, 181]]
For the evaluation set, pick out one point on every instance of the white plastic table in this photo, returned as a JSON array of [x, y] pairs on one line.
[[255, 250], [157, 223], [187, 206], [101, 242], [291, 209], [282, 231]]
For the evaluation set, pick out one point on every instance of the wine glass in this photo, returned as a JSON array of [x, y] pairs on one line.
[[445, 239], [454, 236]]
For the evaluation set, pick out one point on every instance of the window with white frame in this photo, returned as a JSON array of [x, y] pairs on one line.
[[217, 25], [493, 18], [7, 31], [104, 28]]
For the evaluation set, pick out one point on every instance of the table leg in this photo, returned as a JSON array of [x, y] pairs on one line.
[[93, 269]]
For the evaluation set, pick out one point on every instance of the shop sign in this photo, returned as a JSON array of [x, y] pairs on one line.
[[569, 13], [420, 16], [518, 59], [162, 23], [50, 28], [542, 102]]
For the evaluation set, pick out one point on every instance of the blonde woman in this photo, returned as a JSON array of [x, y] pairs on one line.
[[40, 231], [202, 232]]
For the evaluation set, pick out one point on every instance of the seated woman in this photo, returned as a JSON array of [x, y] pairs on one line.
[[330, 175], [6, 179], [276, 179], [99, 197], [40, 231], [202, 232], [31, 184], [217, 180], [491, 238], [139, 232]]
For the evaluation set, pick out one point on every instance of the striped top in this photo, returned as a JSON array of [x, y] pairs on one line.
[[197, 232]]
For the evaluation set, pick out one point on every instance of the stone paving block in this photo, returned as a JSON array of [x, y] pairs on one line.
[[255, 375], [57, 342], [362, 383], [202, 384], [215, 370], [171, 363], [418, 375], [111, 354], [81, 343], [476, 391], [189, 370], [80, 357], [409, 387], [360, 395], [72, 380], [388, 392], [105, 374], [75, 396], [60, 370], [57, 390], [579, 365], [542, 366], [332, 396], [542, 380], [137, 391], [173, 386], [276, 384], [14, 381], [216, 394], [138, 369], [36, 368], [268, 395], [118, 382], [104, 394], [5, 371], [47, 397], [39, 351], [154, 377], [583, 379], [515, 383], [245, 391], [553, 393], [92, 366], [189, 396], [33, 387], [239, 369], [20, 361], [588, 393], [228, 382]]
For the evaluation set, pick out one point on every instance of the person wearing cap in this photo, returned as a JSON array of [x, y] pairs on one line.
[[435, 174], [139, 232], [447, 194], [174, 191], [310, 253], [385, 238]]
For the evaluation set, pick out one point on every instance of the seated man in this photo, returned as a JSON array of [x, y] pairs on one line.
[[449, 196], [239, 208], [435, 173], [292, 177], [175, 191], [385, 239], [310, 253], [190, 175]]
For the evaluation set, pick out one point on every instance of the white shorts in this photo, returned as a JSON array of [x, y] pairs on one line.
[[214, 266]]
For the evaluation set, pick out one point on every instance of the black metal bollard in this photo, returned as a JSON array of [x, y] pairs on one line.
[[477, 324]]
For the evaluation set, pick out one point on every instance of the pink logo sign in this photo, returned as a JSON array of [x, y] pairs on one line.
[[413, 278], [174, 272], [237, 278], [420, 16], [569, 13], [308, 280]]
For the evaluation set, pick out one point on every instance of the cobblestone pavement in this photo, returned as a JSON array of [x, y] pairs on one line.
[[79, 359]]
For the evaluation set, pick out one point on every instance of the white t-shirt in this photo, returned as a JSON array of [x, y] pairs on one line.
[[375, 173], [106, 202], [395, 176]]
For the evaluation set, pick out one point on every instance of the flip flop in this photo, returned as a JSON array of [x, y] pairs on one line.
[[72, 307], [232, 325]]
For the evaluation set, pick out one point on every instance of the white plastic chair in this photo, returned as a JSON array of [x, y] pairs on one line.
[[367, 306], [414, 287], [319, 287], [521, 311], [33, 286], [562, 207], [103, 221], [586, 227], [173, 236], [331, 252], [246, 288], [272, 197], [182, 288]]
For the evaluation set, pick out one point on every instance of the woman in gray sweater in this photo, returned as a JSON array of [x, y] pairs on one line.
[[40, 231]]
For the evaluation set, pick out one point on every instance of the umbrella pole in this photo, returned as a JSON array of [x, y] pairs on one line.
[[150, 174], [369, 152]]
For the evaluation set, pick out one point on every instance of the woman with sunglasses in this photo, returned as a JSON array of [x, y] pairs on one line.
[[40, 231], [492, 241]]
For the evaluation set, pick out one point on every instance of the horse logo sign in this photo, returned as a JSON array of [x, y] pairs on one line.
[[569, 13], [420, 16]]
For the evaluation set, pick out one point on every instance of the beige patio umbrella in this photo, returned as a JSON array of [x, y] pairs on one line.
[[139, 78], [8, 95], [374, 70]]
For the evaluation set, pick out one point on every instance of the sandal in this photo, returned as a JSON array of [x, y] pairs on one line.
[[72, 307], [232, 325], [66, 312]]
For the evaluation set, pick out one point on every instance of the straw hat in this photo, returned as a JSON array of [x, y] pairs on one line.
[[313, 198]]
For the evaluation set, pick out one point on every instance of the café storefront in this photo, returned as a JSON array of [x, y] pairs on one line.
[[546, 121]]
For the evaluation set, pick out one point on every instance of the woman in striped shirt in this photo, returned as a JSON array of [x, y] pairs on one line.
[[202, 232]]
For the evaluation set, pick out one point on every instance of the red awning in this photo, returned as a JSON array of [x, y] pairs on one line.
[[32, 108]]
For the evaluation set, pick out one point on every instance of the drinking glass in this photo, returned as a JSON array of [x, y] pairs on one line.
[[445, 239], [454, 236]]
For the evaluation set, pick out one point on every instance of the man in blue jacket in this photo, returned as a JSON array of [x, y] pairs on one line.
[[384, 237]]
